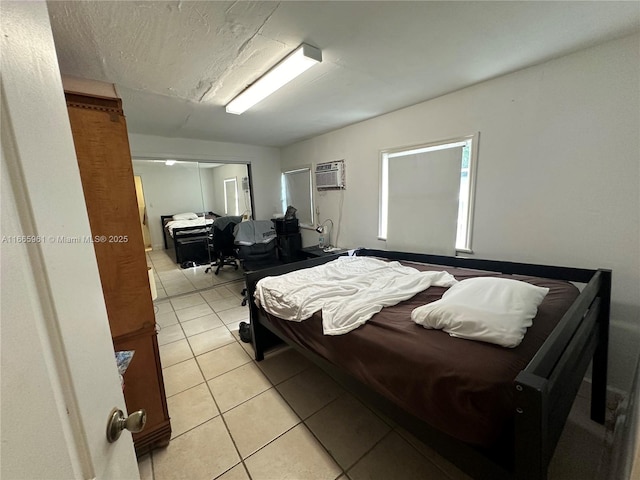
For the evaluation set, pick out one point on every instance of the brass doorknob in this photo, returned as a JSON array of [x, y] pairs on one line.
[[118, 422]]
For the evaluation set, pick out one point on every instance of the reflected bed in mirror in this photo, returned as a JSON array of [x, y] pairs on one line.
[[186, 236]]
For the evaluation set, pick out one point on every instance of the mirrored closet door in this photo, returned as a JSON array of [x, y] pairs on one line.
[[181, 200]]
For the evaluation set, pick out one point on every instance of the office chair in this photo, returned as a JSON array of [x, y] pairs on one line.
[[221, 243], [255, 241]]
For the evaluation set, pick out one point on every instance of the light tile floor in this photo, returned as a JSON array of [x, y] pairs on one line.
[[236, 419], [171, 280]]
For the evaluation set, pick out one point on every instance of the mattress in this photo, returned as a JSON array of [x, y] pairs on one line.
[[461, 387], [200, 221]]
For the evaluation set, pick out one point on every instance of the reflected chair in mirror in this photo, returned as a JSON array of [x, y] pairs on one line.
[[221, 243], [256, 244]]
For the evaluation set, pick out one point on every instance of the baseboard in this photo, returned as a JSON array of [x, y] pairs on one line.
[[615, 396], [624, 462]]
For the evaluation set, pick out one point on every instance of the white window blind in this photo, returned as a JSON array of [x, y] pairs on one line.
[[423, 202], [426, 197], [296, 186]]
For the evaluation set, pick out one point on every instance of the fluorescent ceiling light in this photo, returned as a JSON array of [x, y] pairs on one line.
[[304, 57]]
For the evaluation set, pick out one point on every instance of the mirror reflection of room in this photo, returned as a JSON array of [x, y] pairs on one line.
[[182, 198]]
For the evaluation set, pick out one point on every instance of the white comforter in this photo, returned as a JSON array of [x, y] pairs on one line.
[[348, 290]]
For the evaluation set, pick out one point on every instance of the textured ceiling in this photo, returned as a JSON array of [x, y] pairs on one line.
[[176, 64]]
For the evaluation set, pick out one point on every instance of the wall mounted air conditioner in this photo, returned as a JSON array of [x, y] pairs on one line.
[[330, 175]]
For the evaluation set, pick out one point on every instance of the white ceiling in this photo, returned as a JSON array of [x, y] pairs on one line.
[[176, 64]]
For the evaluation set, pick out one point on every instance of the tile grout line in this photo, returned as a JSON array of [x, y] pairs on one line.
[[393, 429], [194, 358], [343, 471], [191, 349], [300, 422], [226, 426], [273, 385], [179, 322], [206, 382], [221, 415], [368, 451]]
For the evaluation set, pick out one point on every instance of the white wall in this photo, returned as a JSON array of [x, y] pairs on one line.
[[558, 171], [265, 162]]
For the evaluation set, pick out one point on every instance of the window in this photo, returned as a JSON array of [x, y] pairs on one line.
[[297, 191], [426, 196], [231, 196]]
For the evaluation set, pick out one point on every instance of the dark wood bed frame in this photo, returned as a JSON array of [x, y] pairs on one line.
[[544, 390], [183, 238]]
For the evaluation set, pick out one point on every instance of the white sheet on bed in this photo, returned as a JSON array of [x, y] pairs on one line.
[[189, 223], [348, 290]]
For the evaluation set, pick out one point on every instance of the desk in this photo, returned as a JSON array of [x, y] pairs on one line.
[[315, 251]]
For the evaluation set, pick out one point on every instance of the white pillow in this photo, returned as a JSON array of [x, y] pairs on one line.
[[185, 216], [495, 310]]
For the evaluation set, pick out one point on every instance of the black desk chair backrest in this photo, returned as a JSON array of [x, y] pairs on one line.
[[223, 249], [256, 244]]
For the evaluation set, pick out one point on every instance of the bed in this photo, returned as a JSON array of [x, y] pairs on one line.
[[495, 412], [186, 234]]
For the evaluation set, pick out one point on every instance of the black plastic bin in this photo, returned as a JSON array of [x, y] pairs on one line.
[[286, 226]]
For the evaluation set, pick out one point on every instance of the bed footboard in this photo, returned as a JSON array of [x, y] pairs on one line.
[[182, 242], [546, 388]]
